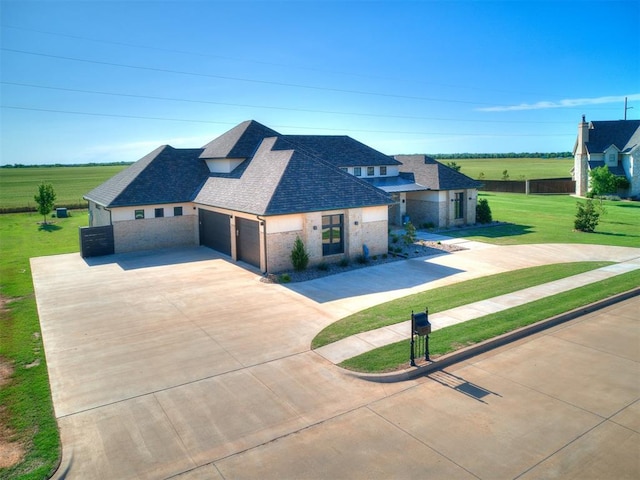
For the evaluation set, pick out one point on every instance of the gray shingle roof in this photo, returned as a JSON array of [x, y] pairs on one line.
[[281, 180], [166, 175], [239, 142], [433, 175], [624, 134], [617, 170], [340, 150]]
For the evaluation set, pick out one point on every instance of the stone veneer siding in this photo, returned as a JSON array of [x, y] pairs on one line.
[[153, 233]]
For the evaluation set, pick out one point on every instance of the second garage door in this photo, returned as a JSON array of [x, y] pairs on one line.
[[248, 241], [215, 231]]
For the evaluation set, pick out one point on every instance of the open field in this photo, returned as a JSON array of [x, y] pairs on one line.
[[518, 168], [19, 185], [549, 219]]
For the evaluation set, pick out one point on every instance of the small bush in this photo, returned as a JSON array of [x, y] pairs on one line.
[[385, 256], [394, 238], [428, 225], [483, 211], [362, 259], [410, 233], [586, 217], [374, 258], [344, 262], [284, 278], [299, 256], [323, 266]]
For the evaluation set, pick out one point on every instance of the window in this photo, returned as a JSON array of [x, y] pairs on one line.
[[332, 234], [177, 211], [344, 169], [383, 170], [459, 205], [139, 214], [371, 171], [159, 212], [612, 159], [357, 171]]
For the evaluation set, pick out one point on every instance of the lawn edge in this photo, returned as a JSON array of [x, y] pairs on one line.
[[493, 343]]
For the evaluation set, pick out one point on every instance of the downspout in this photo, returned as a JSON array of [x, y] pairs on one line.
[[263, 221]]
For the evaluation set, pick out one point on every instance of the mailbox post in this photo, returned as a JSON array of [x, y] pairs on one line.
[[420, 331]]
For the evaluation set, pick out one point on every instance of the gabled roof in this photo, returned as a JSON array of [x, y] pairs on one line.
[[166, 175], [239, 142], [624, 134], [340, 150], [433, 175], [280, 180]]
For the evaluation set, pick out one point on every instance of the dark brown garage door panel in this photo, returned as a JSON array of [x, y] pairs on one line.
[[248, 241], [215, 231]]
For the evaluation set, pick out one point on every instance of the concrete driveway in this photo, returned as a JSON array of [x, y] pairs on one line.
[[182, 363]]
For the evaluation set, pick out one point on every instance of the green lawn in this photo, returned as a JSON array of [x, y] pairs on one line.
[[448, 339], [450, 296], [19, 185], [26, 399], [549, 219], [518, 168]]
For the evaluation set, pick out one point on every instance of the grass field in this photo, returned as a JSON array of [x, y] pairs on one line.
[[549, 219], [25, 402], [19, 185], [518, 168]]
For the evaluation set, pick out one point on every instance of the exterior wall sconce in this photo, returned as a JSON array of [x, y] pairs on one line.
[[315, 227]]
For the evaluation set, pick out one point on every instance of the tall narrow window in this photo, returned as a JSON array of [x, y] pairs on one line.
[[383, 170], [459, 205], [332, 234], [159, 212], [371, 171], [357, 171]]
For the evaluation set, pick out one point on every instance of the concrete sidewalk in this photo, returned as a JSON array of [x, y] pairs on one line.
[[344, 349]]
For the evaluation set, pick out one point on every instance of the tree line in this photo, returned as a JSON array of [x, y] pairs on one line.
[[448, 156], [52, 165]]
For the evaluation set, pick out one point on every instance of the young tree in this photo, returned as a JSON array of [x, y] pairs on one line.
[[299, 256], [454, 165], [505, 175], [45, 199], [603, 182], [586, 217]]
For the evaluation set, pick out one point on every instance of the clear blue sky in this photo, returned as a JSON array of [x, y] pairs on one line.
[[100, 81]]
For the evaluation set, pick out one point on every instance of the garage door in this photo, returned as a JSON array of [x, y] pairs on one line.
[[248, 241], [215, 231]]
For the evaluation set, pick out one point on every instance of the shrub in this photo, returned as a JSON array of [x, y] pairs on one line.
[[344, 262], [483, 211], [362, 259], [428, 225], [410, 233], [586, 217], [323, 266], [299, 256], [284, 278]]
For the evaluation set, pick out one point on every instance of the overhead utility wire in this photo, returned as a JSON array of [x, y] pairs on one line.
[[239, 79], [259, 62], [210, 102], [140, 117]]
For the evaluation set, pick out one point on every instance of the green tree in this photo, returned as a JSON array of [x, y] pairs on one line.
[[409, 233], [586, 217], [454, 165], [299, 256], [45, 199], [602, 181], [505, 175], [483, 211]]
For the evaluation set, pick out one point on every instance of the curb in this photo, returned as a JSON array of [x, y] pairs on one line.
[[487, 345]]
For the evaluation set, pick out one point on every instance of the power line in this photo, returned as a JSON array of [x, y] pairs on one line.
[[239, 79], [210, 102], [141, 117]]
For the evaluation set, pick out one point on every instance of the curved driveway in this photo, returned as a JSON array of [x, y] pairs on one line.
[[181, 363]]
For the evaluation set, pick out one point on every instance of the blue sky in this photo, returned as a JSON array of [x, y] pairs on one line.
[[101, 81]]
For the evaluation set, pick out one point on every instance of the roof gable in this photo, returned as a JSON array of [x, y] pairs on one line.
[[239, 142], [434, 175], [624, 134]]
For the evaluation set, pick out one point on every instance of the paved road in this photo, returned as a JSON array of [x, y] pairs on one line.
[[180, 363]]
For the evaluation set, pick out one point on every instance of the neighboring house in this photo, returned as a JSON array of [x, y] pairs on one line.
[[614, 144], [250, 192]]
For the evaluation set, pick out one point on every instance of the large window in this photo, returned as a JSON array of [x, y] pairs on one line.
[[459, 205], [332, 234]]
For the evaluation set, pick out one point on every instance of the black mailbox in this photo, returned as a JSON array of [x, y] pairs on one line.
[[421, 325]]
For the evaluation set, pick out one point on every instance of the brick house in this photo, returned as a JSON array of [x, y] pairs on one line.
[[250, 192]]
